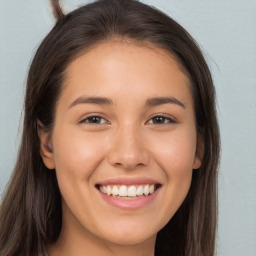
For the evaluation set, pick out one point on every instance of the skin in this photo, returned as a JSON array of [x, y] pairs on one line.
[[127, 142]]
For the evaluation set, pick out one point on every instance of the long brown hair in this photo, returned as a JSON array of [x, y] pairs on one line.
[[30, 214]]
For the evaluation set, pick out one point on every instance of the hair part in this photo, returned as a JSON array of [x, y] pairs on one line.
[[30, 214]]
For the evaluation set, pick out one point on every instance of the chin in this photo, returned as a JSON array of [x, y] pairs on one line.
[[130, 234], [131, 239]]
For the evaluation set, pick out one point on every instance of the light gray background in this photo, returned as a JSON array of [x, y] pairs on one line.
[[226, 31]]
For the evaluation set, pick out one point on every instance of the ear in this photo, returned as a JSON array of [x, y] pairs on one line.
[[46, 150], [199, 152]]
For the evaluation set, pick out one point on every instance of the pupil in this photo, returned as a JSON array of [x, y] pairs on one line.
[[159, 119], [95, 119]]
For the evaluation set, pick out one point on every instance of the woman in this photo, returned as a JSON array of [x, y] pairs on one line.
[[120, 144]]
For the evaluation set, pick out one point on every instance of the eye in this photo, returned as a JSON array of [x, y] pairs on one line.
[[161, 120], [94, 120]]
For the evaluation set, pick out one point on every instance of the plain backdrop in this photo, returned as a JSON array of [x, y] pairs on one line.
[[226, 32]]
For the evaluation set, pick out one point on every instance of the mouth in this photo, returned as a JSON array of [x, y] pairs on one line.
[[128, 192], [129, 197]]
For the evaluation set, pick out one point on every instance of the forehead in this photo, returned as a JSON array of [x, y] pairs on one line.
[[119, 68]]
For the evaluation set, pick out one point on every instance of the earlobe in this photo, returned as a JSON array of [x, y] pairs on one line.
[[199, 152], [46, 150]]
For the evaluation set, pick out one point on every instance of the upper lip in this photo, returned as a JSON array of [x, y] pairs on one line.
[[128, 181]]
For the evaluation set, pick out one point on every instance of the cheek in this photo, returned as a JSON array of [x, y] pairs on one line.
[[176, 152], [76, 155], [177, 161], [175, 155]]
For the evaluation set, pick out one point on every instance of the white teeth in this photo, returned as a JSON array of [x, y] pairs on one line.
[[115, 191], [146, 190], [123, 190], [140, 191], [109, 190], [151, 189], [130, 191]]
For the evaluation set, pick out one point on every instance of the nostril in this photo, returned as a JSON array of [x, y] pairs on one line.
[[128, 157], [129, 165]]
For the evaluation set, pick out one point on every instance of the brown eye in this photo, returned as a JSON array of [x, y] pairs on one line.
[[94, 120], [161, 120]]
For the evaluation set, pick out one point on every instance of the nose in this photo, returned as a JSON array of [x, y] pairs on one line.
[[128, 149]]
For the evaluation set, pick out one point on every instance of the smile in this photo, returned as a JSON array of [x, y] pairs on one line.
[[130, 196], [131, 191]]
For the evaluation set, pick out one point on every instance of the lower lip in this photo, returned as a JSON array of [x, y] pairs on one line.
[[129, 204]]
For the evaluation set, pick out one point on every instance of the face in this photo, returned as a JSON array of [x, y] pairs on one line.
[[124, 142]]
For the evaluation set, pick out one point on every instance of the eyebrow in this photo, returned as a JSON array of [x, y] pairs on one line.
[[106, 101], [164, 100], [91, 100]]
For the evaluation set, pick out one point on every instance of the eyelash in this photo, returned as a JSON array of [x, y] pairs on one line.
[[87, 120], [94, 120], [167, 120]]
